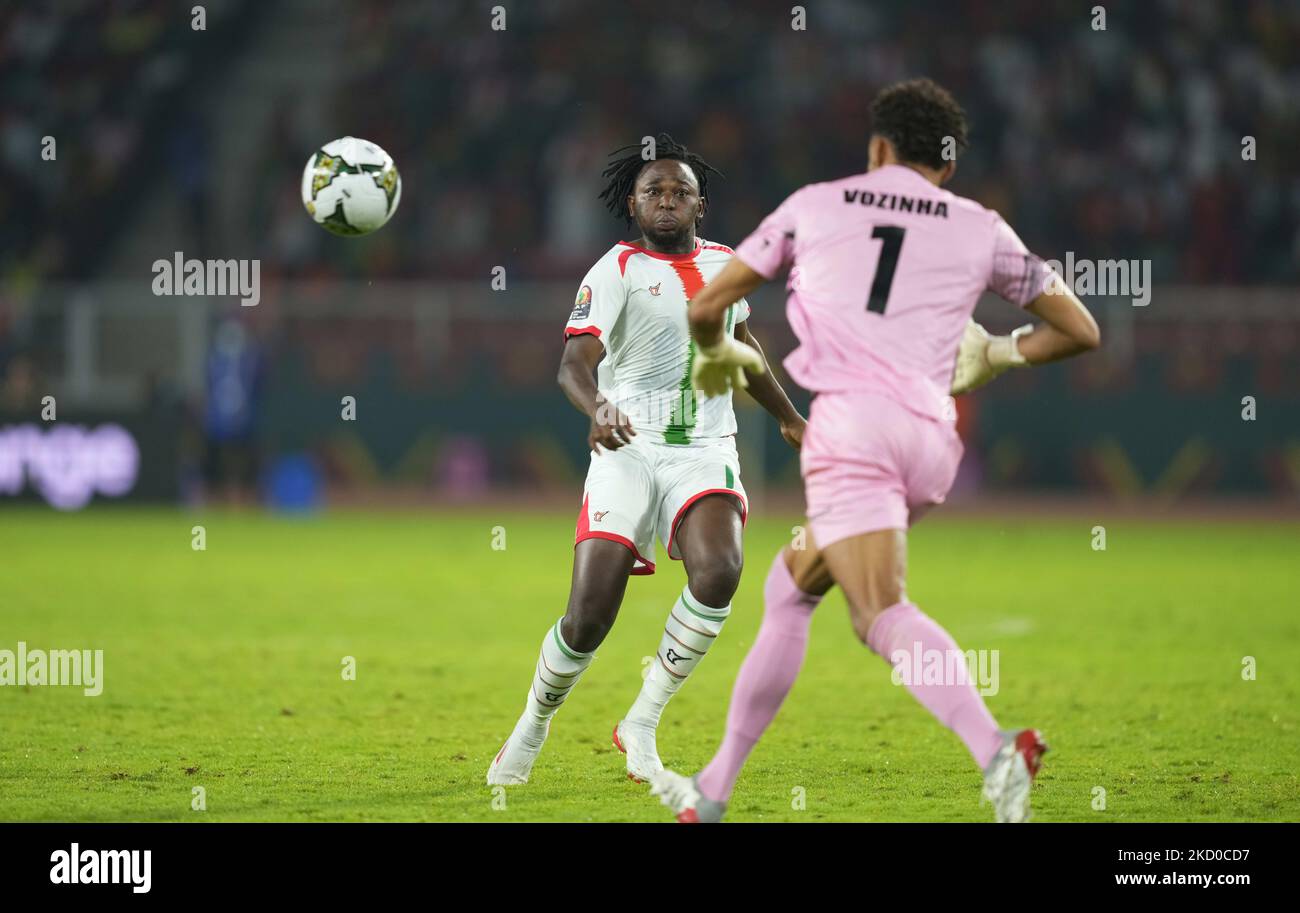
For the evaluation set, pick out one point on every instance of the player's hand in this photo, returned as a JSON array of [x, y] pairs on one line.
[[721, 367], [793, 432], [610, 428], [982, 357]]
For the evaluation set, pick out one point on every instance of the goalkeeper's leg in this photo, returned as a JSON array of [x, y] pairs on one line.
[[770, 668], [871, 568], [870, 474]]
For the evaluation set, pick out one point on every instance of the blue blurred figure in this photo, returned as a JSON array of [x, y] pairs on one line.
[[234, 388]]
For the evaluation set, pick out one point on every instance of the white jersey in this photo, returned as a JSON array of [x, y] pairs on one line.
[[634, 301]]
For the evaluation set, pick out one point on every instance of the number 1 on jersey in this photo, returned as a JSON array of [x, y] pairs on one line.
[[891, 237]]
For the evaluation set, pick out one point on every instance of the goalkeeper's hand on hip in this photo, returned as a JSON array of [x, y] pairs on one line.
[[982, 357]]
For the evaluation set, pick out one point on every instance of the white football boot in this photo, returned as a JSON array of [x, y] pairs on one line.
[[1010, 774], [683, 796], [637, 741], [514, 762]]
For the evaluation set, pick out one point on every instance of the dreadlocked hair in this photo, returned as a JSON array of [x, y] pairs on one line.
[[625, 167]]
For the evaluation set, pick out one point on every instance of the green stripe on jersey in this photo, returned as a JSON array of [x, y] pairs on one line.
[[682, 420]]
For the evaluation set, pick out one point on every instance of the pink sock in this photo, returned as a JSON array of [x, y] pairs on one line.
[[955, 704], [765, 678]]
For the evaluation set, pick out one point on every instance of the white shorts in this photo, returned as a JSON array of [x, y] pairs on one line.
[[645, 488]]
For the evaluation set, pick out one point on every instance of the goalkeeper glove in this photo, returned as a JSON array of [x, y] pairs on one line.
[[722, 366], [982, 357]]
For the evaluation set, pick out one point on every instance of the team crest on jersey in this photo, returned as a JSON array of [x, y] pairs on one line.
[[654, 289], [582, 305]]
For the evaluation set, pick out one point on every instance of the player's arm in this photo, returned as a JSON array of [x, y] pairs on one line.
[[1019, 277], [1067, 329], [722, 361], [610, 428], [769, 394], [710, 304]]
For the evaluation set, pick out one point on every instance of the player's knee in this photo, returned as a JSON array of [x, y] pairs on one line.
[[716, 582], [862, 622], [810, 574], [584, 631], [864, 614]]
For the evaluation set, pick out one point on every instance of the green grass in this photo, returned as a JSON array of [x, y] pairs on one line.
[[223, 671]]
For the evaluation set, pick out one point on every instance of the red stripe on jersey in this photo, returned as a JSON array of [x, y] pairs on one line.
[[718, 247], [692, 279], [622, 261], [637, 249], [580, 331]]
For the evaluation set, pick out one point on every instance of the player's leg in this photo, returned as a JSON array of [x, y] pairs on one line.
[[871, 569], [701, 521], [709, 539], [795, 584], [600, 572], [851, 486], [885, 467], [601, 568], [1009, 758], [896, 466], [867, 555], [614, 530]]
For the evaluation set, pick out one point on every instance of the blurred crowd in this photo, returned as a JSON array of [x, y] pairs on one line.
[[85, 101], [1117, 142], [1122, 142], [88, 122]]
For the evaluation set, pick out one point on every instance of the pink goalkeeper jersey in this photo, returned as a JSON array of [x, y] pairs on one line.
[[885, 270]]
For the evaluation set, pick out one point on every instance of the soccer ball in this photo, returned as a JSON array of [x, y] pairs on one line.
[[351, 186]]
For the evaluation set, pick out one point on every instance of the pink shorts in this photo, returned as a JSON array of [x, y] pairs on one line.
[[870, 463]]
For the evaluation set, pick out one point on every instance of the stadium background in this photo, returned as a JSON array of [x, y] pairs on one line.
[[1124, 143], [1119, 531]]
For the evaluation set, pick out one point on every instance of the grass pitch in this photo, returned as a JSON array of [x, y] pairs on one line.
[[223, 671]]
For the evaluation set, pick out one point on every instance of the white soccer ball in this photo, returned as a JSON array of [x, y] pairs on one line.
[[351, 186]]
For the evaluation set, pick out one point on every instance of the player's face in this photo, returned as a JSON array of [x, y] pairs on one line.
[[666, 203]]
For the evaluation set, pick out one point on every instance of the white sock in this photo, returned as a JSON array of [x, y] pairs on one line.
[[690, 630], [558, 669]]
